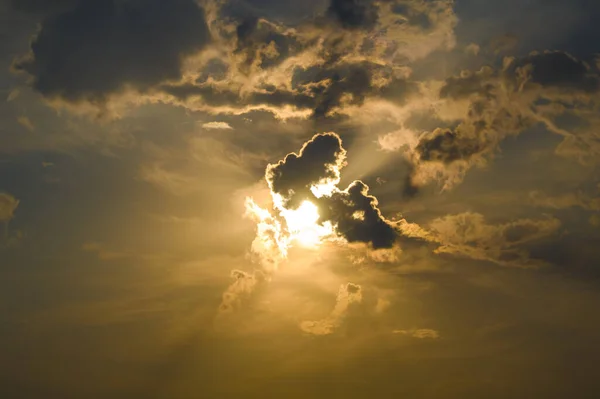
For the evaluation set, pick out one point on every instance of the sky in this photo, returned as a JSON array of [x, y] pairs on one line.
[[299, 199]]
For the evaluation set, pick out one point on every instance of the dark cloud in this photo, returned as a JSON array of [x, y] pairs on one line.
[[536, 90], [409, 188], [289, 12], [320, 90], [469, 83], [214, 97], [293, 176], [262, 44], [519, 232], [413, 16], [357, 217], [446, 146], [245, 29], [214, 69], [98, 47], [353, 79], [556, 69], [541, 70], [353, 14], [353, 288]]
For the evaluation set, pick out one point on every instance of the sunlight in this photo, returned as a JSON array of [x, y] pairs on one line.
[[275, 234], [303, 227]]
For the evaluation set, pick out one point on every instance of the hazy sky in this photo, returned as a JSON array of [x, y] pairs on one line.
[[299, 199]]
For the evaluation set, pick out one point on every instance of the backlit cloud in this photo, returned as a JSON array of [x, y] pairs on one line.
[[216, 125], [348, 295], [311, 177]]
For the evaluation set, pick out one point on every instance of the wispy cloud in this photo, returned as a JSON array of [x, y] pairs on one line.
[[26, 123], [420, 333]]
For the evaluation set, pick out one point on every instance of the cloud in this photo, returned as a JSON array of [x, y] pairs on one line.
[[567, 200], [312, 69], [217, 125], [99, 50], [353, 14], [488, 105], [555, 69], [318, 161], [357, 218], [320, 89], [348, 295], [262, 44], [96, 48], [313, 175], [468, 234], [26, 123], [307, 208], [447, 146], [421, 333], [8, 206], [242, 287]]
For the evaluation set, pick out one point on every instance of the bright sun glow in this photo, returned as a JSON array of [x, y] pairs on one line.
[[276, 233], [303, 227]]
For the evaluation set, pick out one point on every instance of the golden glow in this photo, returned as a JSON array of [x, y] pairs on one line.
[[275, 234], [325, 188], [270, 244], [303, 227], [358, 215]]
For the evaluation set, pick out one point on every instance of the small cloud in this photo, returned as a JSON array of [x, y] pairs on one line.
[[421, 333], [472, 49], [47, 164], [217, 126], [8, 205], [243, 286], [13, 95], [26, 123]]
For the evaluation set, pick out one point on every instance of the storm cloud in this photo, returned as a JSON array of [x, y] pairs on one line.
[[99, 47]]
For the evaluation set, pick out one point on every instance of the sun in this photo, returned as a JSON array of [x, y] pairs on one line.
[[303, 227]]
